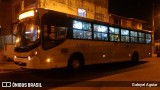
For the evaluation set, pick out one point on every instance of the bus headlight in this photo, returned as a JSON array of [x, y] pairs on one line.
[[29, 57], [15, 56], [32, 55]]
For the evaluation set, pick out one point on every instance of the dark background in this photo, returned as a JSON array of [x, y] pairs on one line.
[[139, 9]]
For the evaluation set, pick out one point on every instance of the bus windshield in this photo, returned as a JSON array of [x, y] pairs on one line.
[[28, 33]]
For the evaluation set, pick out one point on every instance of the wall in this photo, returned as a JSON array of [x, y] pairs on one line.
[[71, 7], [126, 22]]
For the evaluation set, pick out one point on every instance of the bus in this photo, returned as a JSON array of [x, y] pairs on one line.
[[47, 39]]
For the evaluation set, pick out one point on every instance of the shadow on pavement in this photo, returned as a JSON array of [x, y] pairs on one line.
[[62, 77]]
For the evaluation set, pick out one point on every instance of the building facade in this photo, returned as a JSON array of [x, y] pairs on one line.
[[126, 22], [93, 9]]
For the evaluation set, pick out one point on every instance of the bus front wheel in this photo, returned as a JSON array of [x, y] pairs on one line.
[[75, 62]]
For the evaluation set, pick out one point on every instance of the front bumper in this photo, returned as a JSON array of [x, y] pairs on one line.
[[33, 63]]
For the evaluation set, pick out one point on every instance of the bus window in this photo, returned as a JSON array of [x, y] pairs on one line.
[[148, 38], [114, 34], [141, 37], [78, 34], [124, 35], [53, 35], [77, 24], [100, 32], [134, 36], [82, 30]]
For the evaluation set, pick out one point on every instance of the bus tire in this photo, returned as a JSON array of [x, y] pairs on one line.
[[135, 57], [75, 62]]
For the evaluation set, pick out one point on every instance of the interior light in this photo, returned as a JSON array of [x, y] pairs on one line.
[[26, 14]]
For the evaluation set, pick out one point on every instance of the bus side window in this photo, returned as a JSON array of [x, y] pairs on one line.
[[45, 28], [46, 37], [52, 33]]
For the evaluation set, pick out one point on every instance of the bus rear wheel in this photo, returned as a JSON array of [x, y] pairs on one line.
[[135, 57], [75, 63]]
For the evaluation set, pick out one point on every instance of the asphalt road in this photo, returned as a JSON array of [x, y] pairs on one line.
[[115, 76]]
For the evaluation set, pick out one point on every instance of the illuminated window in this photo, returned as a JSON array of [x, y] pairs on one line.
[[124, 35], [82, 12], [134, 36], [114, 34], [141, 37], [148, 38], [82, 30], [100, 32]]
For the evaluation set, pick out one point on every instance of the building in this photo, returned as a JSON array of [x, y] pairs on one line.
[[126, 22], [93, 9]]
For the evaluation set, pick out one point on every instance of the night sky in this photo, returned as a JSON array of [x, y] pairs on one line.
[[139, 9]]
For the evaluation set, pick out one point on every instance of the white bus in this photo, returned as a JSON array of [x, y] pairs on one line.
[[47, 39]]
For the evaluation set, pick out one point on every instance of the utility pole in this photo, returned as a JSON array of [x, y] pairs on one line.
[[153, 29]]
